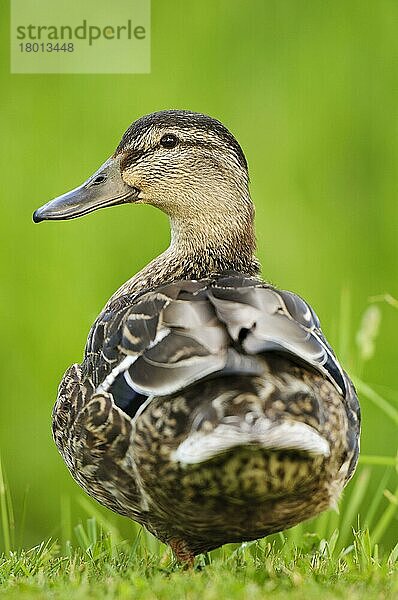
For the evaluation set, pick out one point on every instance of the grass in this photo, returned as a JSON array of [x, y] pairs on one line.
[[99, 568], [338, 555]]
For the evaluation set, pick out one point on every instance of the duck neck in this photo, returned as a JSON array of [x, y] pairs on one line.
[[201, 246]]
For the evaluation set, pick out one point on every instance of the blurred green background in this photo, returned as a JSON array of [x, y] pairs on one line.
[[310, 89]]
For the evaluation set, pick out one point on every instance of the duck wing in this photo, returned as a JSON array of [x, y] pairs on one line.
[[162, 341]]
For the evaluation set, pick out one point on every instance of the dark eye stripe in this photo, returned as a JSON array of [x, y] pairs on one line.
[[132, 155]]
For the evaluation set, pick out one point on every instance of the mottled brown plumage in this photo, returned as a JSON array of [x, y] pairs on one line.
[[209, 406]]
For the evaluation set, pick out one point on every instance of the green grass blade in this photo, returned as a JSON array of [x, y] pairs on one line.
[[22, 520], [382, 461], [366, 335], [393, 557], [376, 500], [66, 520], [105, 524], [82, 537], [386, 517], [5, 517], [321, 524], [378, 400], [352, 507], [10, 511], [92, 531], [344, 326], [388, 298]]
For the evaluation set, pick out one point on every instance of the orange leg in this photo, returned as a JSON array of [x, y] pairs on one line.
[[182, 552]]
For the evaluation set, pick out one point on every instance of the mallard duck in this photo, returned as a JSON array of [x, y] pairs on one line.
[[209, 406]]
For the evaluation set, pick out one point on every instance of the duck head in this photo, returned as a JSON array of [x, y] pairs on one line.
[[187, 164], [191, 167]]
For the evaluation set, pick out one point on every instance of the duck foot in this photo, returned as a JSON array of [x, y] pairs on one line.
[[182, 552]]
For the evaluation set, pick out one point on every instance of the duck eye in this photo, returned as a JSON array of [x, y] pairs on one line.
[[168, 140], [99, 179]]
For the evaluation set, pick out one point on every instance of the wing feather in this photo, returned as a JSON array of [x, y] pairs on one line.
[[164, 340]]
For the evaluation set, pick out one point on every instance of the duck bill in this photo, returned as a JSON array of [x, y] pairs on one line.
[[105, 188]]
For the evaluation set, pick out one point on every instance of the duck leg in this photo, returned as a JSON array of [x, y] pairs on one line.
[[182, 552]]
